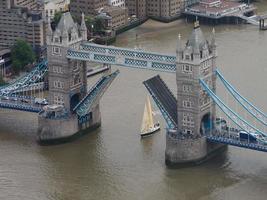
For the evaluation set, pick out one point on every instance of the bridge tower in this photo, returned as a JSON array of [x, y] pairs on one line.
[[67, 83], [67, 78], [195, 110]]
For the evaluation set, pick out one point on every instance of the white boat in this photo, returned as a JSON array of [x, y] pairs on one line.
[[148, 125]]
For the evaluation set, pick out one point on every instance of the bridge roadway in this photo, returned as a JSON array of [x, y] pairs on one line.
[[95, 93], [20, 103], [228, 137], [164, 99]]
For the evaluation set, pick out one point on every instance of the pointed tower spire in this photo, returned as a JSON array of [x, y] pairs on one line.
[[179, 45], [213, 41], [213, 44], [83, 26], [64, 27], [83, 29], [49, 32]]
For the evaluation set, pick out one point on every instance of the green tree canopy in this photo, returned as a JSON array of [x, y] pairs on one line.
[[57, 17], [99, 24], [2, 82], [21, 55], [89, 21]]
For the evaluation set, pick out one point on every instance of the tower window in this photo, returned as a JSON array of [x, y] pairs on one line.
[[187, 104], [187, 57], [187, 69], [187, 88], [58, 99], [56, 50]]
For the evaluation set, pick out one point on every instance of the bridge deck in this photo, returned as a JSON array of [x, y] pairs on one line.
[[163, 97], [21, 107], [237, 143], [85, 105]]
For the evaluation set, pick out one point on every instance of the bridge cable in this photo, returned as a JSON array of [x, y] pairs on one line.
[[228, 111], [253, 110]]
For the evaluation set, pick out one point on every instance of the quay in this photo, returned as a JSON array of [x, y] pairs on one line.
[[220, 11], [262, 25]]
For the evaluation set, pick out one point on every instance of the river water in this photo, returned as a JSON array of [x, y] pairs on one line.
[[112, 163]]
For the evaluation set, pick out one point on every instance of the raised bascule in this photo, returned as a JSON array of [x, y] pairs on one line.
[[194, 131]]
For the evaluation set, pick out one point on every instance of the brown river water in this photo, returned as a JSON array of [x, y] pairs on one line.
[[112, 163]]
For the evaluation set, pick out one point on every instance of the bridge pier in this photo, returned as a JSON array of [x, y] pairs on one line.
[[184, 151], [190, 151], [262, 25], [54, 128]]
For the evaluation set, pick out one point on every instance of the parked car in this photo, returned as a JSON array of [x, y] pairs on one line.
[[40, 101], [13, 98], [25, 100], [5, 98]]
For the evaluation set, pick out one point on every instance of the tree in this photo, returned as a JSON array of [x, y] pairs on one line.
[[57, 17], [89, 21], [2, 82], [99, 25], [21, 55]]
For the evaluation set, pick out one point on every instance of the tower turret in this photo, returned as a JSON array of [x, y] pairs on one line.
[[179, 50], [83, 29]]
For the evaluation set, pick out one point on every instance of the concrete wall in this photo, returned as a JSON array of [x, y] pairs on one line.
[[19, 122], [61, 130], [50, 129], [185, 151]]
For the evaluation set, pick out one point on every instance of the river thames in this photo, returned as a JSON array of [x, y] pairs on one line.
[[113, 163]]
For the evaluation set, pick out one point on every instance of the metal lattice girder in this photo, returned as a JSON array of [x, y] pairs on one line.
[[254, 111], [22, 107], [34, 76], [124, 57], [233, 116], [85, 105], [118, 51]]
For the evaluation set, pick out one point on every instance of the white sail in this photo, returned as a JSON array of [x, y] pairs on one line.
[[147, 122], [150, 116]]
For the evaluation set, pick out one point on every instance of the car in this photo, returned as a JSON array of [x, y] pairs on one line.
[[25, 100], [5, 97], [13, 98], [40, 101], [243, 135]]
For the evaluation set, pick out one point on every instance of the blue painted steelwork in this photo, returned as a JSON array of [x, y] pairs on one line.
[[22, 107], [124, 57], [34, 76], [240, 122], [85, 118], [170, 123], [84, 106], [223, 140], [118, 51], [255, 112]]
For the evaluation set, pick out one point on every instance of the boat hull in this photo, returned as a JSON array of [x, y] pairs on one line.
[[150, 132]]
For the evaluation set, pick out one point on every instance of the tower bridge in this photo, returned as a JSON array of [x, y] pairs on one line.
[[194, 129]]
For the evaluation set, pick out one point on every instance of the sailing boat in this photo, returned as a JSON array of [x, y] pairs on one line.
[[148, 126]]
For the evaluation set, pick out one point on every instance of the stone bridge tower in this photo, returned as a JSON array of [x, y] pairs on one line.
[[67, 78], [67, 85], [195, 110]]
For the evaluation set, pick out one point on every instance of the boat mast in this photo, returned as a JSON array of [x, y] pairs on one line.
[[150, 116]]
